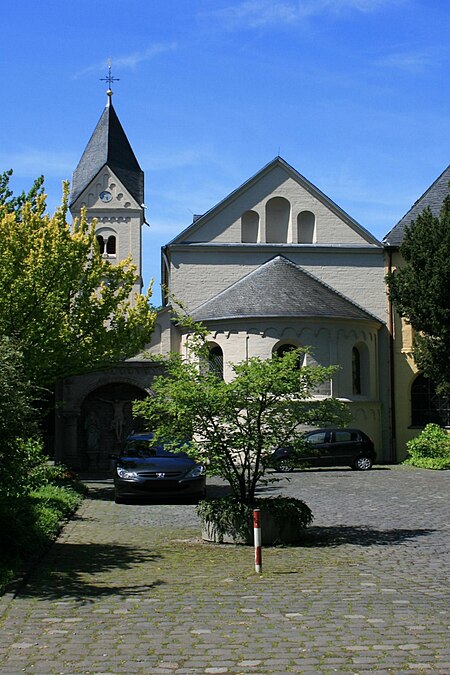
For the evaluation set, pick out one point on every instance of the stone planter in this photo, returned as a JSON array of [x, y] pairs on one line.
[[271, 532]]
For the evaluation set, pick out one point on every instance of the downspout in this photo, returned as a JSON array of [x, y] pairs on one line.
[[391, 364], [165, 275]]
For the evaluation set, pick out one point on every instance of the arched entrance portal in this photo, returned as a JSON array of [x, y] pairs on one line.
[[106, 420]]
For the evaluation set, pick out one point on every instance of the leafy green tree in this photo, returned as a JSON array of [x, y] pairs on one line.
[[66, 308], [20, 460], [419, 290], [12, 202], [235, 424], [16, 411]]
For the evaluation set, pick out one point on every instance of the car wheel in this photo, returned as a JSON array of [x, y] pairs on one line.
[[362, 463], [284, 466]]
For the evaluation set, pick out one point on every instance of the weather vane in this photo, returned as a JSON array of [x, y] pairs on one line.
[[109, 78]]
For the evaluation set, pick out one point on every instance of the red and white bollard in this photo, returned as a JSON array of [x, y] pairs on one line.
[[257, 536]]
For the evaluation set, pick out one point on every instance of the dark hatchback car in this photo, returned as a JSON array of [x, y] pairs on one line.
[[328, 447], [147, 471]]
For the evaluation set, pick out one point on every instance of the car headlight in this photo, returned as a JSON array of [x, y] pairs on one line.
[[124, 473], [195, 472]]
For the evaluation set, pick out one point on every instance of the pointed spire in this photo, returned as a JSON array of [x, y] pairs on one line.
[[109, 146]]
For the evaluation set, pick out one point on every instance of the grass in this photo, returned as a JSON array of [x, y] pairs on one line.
[[29, 523]]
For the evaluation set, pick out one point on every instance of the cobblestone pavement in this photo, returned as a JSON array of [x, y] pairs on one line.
[[132, 589]]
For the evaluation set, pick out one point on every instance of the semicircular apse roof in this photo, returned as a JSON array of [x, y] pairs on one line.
[[279, 288]]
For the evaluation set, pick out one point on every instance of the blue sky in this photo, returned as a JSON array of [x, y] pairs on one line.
[[353, 93]]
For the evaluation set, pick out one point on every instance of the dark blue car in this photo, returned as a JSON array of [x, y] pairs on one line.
[[145, 470]]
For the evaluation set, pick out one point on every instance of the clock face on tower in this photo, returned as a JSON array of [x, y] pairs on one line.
[[105, 196]]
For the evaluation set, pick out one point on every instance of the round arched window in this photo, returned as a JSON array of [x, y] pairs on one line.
[[101, 243], [284, 349], [215, 361]]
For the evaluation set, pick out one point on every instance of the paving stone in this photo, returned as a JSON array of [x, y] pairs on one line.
[[133, 589]]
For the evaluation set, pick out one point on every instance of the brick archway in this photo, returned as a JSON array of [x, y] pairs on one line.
[[105, 421]]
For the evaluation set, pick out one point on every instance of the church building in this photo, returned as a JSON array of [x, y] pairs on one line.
[[275, 265]]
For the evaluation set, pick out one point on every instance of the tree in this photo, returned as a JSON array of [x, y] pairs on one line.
[[235, 424], [16, 411], [21, 454], [66, 308], [419, 290]]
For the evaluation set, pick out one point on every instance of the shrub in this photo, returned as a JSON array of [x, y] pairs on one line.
[[30, 522], [430, 450], [24, 467]]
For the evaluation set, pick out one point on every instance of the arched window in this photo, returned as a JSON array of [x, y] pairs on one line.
[[306, 227], [285, 349], [101, 243], [426, 405], [360, 369], [249, 227], [111, 245], [277, 220], [215, 361], [356, 371]]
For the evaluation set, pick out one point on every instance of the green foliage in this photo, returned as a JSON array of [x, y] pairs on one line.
[[234, 424], [419, 291], [23, 466], [29, 523], [16, 412], [65, 306], [21, 456], [228, 515], [12, 202], [430, 450]]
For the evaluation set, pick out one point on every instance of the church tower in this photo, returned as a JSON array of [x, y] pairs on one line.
[[109, 182]]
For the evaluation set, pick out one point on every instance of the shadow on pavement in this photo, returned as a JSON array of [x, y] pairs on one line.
[[86, 572], [319, 537]]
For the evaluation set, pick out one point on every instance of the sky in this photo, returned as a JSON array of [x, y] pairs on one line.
[[354, 94]]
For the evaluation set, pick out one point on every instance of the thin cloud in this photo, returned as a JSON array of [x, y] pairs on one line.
[[413, 62], [259, 13], [33, 162], [128, 60]]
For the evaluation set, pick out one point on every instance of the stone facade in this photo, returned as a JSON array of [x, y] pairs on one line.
[[208, 260], [236, 267]]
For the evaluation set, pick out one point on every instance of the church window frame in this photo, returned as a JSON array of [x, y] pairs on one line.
[[215, 360], [108, 242], [360, 369], [284, 347], [111, 245], [428, 407], [101, 243]]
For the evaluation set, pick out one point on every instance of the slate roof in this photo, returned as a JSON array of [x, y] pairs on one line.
[[433, 198], [109, 145], [279, 288]]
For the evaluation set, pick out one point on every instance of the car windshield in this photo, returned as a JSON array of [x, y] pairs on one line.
[[138, 448]]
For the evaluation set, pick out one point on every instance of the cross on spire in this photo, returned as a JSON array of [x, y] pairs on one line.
[[109, 79]]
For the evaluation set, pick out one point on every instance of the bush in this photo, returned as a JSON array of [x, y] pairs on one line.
[[29, 523], [430, 450], [24, 467]]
